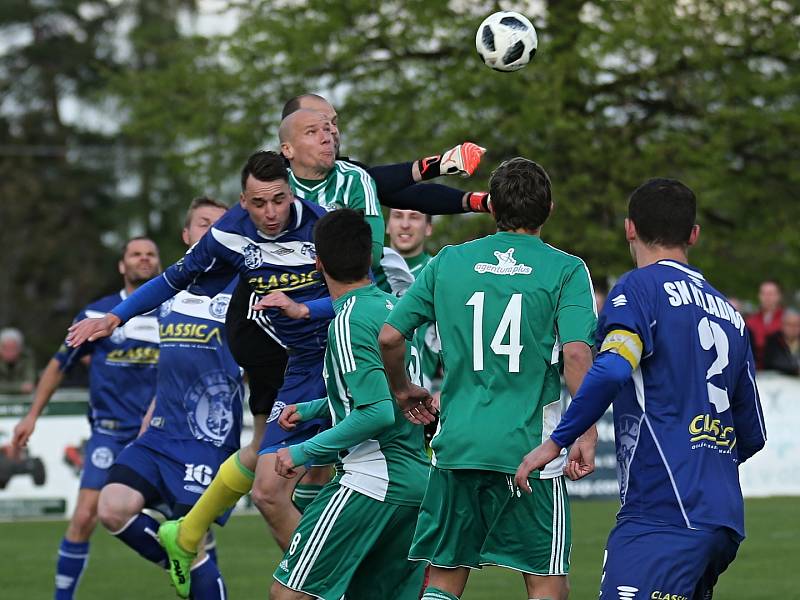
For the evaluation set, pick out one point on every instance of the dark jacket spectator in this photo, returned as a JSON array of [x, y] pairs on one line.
[[782, 349], [17, 368], [767, 320]]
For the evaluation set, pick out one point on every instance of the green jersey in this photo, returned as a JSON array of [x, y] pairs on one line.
[[393, 467], [417, 263], [346, 186], [503, 304], [426, 340]]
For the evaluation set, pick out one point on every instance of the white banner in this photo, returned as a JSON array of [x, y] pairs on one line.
[[775, 471], [43, 481]]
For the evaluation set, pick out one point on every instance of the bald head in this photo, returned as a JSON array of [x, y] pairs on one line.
[[307, 143], [293, 123], [319, 104]]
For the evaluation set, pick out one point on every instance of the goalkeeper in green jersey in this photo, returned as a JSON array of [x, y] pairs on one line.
[[506, 306], [353, 539]]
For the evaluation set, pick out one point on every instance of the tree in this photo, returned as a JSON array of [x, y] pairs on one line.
[[65, 170], [619, 91]]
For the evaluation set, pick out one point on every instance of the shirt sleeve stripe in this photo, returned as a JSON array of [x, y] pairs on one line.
[[347, 362], [370, 191]]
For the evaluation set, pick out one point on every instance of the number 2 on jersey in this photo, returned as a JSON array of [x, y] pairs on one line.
[[510, 324]]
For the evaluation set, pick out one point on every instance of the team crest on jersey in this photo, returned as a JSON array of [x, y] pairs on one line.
[[118, 335], [308, 250], [219, 306], [252, 256], [627, 435], [166, 308], [209, 406], [276, 411], [102, 457], [506, 265]]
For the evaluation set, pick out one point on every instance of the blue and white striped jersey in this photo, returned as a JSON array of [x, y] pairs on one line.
[[690, 412], [285, 263], [122, 373]]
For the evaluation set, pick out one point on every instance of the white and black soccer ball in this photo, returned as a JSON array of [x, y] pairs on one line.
[[506, 41]]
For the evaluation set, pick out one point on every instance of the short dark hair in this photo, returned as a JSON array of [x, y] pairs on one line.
[[521, 195], [138, 238], [293, 104], [343, 241], [663, 211], [200, 202], [265, 165]]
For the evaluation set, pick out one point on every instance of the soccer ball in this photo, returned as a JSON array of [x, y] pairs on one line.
[[506, 41]]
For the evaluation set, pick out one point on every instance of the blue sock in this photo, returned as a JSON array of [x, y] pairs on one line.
[[72, 559], [211, 546], [207, 582], [140, 534]]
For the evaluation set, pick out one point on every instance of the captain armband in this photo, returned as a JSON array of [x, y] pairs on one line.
[[625, 343]]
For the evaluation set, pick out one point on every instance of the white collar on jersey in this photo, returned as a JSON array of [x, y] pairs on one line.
[[680, 267]]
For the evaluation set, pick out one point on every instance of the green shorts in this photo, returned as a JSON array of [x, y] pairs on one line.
[[348, 542], [472, 518]]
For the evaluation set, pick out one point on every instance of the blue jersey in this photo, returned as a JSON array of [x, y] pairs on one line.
[[199, 392], [122, 373], [690, 413], [285, 262]]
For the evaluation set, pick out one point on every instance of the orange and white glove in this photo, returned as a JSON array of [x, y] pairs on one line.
[[461, 160]]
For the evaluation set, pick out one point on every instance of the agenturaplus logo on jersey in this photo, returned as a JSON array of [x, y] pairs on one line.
[[506, 265]]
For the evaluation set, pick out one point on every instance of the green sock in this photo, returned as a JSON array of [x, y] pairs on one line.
[[304, 495], [432, 593]]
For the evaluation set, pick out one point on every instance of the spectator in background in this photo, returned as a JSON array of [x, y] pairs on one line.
[[782, 349], [17, 369], [767, 320]]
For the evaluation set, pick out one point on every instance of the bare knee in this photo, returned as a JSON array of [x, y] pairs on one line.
[[269, 499], [555, 587], [110, 514], [117, 505], [82, 523], [281, 592]]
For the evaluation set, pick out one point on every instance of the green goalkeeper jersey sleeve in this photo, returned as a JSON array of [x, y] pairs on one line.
[[392, 466], [346, 186], [503, 305]]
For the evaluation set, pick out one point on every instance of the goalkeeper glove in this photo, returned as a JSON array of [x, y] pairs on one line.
[[461, 160], [479, 202]]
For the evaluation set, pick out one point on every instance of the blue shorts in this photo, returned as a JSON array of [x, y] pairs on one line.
[[169, 473], [647, 560], [303, 382], [100, 453]]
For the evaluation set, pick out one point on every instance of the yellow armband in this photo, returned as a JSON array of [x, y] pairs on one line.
[[625, 343]]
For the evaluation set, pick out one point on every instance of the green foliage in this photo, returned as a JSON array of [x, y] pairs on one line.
[[619, 92]]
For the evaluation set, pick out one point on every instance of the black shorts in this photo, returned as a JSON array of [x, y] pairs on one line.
[[261, 357]]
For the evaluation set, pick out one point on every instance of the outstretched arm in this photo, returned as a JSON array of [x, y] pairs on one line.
[[397, 187], [151, 295], [48, 383]]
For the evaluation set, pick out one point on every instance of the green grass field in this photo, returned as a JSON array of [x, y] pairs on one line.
[[765, 567]]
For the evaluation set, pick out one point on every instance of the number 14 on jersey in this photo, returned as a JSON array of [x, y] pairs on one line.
[[510, 325]]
